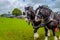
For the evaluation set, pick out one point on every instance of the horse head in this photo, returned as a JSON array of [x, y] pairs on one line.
[[42, 12], [29, 14]]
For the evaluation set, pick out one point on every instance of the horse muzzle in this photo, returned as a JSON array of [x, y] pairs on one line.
[[37, 19]]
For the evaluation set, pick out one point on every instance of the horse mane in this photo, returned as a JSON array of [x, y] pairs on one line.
[[44, 8], [32, 11]]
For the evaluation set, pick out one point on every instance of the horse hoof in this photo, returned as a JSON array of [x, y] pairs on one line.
[[59, 38], [36, 36], [46, 38], [55, 38], [48, 34]]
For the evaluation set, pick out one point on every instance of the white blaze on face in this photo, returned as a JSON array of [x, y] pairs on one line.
[[51, 18], [36, 19], [26, 12], [37, 12], [26, 16]]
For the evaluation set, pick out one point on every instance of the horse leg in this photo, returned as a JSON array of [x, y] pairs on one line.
[[59, 32], [55, 38], [59, 35], [59, 38], [36, 36], [46, 34]]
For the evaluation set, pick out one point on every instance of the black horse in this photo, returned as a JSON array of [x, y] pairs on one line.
[[30, 17], [43, 12]]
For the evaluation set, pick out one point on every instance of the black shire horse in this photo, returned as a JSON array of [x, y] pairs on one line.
[[43, 12], [30, 17]]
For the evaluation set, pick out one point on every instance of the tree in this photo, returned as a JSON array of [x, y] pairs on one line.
[[2, 15], [16, 12], [55, 12]]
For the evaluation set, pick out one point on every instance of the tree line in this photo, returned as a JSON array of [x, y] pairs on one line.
[[18, 12], [15, 12]]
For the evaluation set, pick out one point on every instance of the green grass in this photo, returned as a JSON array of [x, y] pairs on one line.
[[18, 29]]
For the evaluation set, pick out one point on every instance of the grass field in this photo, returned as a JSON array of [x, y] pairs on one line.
[[18, 29]]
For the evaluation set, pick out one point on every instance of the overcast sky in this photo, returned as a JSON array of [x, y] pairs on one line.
[[8, 5]]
